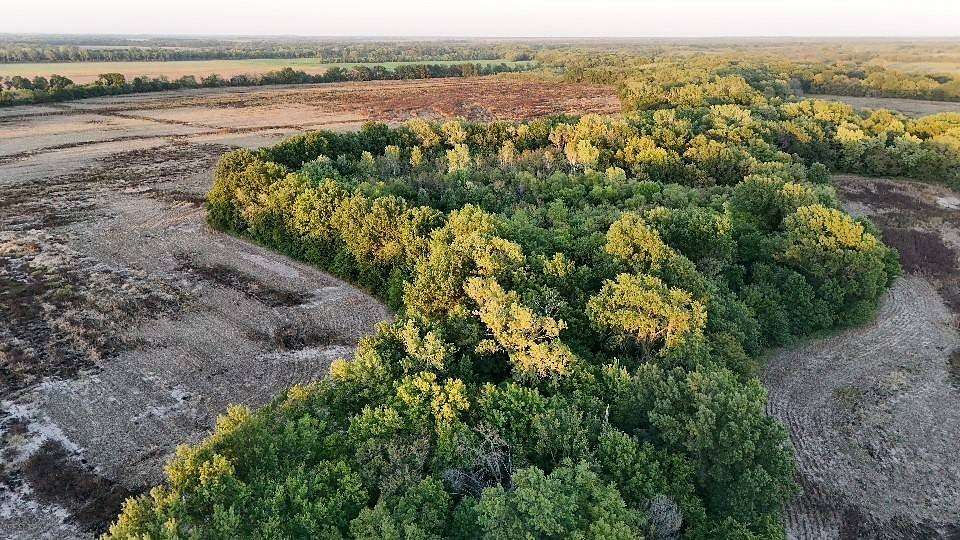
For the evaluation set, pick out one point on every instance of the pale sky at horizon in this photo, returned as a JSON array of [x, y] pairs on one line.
[[490, 18]]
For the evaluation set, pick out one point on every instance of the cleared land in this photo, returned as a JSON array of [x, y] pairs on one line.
[[913, 108], [82, 72], [872, 411], [127, 324]]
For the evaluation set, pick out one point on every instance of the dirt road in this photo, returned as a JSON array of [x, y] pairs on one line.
[[127, 325]]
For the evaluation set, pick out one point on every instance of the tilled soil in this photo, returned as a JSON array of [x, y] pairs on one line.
[[872, 412], [126, 324]]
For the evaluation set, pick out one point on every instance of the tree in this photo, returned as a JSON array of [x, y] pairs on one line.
[[847, 265], [641, 309], [422, 513], [721, 425], [464, 247], [212, 81], [640, 247], [20, 83], [570, 502], [765, 202], [458, 158], [59, 82], [646, 159], [40, 83], [531, 341], [113, 80], [700, 234]]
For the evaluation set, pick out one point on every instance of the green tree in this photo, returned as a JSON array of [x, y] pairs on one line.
[[642, 310], [113, 80], [570, 502]]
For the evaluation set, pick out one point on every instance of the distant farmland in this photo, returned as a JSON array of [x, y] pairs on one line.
[[83, 72]]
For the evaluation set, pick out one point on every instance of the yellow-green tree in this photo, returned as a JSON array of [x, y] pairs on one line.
[[642, 310]]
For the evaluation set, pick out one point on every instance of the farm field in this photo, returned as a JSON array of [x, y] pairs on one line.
[[171, 320], [84, 72]]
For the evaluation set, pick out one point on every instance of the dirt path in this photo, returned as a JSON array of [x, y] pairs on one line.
[[126, 324], [873, 412]]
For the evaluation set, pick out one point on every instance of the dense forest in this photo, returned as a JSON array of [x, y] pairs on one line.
[[581, 308], [853, 80], [846, 78], [19, 90]]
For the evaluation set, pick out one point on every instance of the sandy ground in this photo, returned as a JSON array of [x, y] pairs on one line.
[[873, 412], [126, 324], [913, 108]]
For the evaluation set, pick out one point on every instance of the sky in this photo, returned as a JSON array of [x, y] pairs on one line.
[[488, 18]]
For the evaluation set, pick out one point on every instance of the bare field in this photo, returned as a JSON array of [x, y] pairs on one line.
[[913, 108], [872, 411], [256, 116], [126, 324], [85, 72]]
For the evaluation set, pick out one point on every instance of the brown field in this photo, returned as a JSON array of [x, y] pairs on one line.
[[933, 64], [872, 411], [913, 108], [126, 324]]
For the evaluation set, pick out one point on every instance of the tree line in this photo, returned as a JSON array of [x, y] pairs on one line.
[[18, 90], [171, 49], [878, 82], [845, 78], [844, 68], [582, 305]]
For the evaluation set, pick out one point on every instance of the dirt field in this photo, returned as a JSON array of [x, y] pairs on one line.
[[127, 325], [913, 108], [873, 412], [84, 72]]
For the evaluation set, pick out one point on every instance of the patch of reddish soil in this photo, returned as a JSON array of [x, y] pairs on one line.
[[921, 251], [58, 478], [478, 99]]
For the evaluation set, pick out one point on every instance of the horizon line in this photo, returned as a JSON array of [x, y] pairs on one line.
[[482, 36]]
